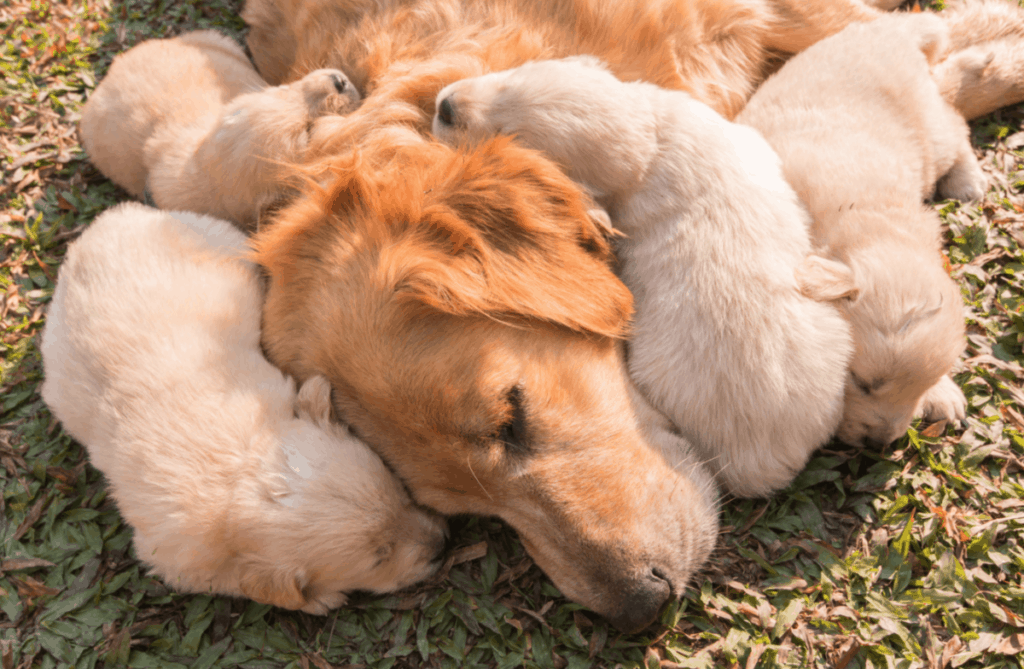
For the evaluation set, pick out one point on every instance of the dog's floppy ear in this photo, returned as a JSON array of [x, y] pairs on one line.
[[825, 280], [314, 400], [517, 239], [273, 584]]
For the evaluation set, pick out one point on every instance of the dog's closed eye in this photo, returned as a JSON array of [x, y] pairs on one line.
[[513, 432]]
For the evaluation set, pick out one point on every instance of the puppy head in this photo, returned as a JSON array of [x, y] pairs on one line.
[[463, 307], [599, 129], [907, 321], [341, 519]]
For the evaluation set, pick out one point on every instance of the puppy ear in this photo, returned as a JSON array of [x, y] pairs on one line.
[[600, 218], [272, 584], [314, 400], [825, 280]]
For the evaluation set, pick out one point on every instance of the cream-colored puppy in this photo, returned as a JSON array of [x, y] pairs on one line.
[[190, 121], [233, 484], [723, 341], [865, 135]]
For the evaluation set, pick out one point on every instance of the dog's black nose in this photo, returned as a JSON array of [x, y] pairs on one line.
[[339, 83], [446, 111]]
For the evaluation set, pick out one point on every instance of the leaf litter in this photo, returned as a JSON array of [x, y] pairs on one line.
[[909, 557]]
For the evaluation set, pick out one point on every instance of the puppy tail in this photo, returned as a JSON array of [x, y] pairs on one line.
[[983, 68]]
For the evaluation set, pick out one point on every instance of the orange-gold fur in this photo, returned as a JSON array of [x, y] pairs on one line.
[[463, 307]]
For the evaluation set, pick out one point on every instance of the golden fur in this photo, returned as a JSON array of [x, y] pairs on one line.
[[863, 145], [190, 120], [233, 483], [463, 308]]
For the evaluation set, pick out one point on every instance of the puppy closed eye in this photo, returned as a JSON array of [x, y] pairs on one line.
[[513, 432], [864, 386]]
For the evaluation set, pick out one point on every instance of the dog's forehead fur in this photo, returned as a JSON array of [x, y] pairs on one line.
[[495, 231]]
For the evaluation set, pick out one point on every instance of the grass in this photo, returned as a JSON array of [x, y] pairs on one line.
[[909, 557]]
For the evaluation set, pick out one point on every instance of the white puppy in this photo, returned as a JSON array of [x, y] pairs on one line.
[[232, 483], [724, 343], [864, 136], [189, 120]]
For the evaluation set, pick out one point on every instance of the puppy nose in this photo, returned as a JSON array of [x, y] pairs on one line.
[[644, 602], [871, 441], [339, 84], [446, 111]]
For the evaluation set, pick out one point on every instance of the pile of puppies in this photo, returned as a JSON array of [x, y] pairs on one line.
[[454, 302]]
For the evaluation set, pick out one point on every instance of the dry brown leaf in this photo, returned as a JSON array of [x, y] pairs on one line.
[[935, 429], [848, 651], [756, 651], [1011, 645], [7, 654], [952, 647], [469, 553], [14, 564], [318, 660], [30, 587], [30, 519]]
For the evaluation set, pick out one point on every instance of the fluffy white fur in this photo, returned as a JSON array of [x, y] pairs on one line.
[[190, 120], [864, 135], [233, 483], [723, 341]]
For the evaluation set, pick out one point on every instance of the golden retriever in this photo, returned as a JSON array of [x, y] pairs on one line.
[[190, 121], [233, 484], [462, 306], [863, 146], [723, 342]]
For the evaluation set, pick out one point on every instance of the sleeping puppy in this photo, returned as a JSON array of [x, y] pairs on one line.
[[233, 483], [723, 341], [863, 145], [190, 121]]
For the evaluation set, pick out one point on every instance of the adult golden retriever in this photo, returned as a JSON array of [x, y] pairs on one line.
[[463, 304]]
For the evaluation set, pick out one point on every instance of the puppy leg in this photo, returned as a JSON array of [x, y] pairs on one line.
[[944, 400], [964, 181], [321, 603]]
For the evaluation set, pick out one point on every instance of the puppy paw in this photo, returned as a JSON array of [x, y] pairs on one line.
[[320, 604], [943, 401], [966, 187], [328, 91]]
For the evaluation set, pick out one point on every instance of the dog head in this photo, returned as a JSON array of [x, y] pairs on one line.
[[340, 519], [463, 307], [600, 130], [906, 316]]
